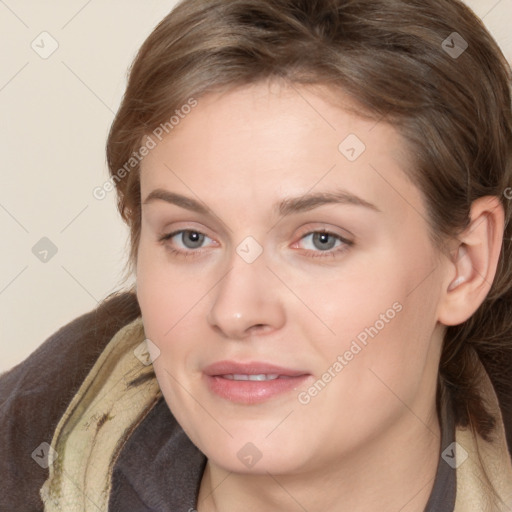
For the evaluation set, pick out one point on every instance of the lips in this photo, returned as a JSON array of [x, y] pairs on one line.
[[253, 382]]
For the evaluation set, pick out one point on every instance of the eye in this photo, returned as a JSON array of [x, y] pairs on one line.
[[324, 242], [185, 240]]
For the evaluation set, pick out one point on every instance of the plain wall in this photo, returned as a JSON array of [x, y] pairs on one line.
[[55, 115]]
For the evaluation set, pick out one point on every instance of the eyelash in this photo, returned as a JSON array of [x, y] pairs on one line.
[[332, 253], [192, 253]]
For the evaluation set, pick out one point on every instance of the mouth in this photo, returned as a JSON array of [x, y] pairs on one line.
[[251, 383], [259, 378]]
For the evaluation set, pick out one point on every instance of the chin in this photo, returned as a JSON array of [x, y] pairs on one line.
[[259, 456], [274, 464]]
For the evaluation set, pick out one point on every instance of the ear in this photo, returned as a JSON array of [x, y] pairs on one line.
[[473, 262]]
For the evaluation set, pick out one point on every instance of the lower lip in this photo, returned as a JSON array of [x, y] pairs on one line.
[[251, 391]]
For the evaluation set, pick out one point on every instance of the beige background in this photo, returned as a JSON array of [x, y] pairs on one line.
[[55, 114]]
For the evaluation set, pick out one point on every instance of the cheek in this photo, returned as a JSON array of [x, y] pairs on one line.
[[381, 312], [166, 296]]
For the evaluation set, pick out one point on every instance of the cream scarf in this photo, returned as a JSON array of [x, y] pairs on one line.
[[119, 392]]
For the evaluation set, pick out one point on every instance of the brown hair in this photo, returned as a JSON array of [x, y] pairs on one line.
[[389, 56]]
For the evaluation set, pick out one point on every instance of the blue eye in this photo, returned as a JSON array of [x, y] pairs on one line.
[[191, 239], [188, 243], [324, 243], [186, 240]]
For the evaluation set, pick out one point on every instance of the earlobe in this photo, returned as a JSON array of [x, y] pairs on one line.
[[473, 269]]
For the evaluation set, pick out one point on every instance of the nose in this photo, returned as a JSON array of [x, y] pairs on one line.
[[246, 301]]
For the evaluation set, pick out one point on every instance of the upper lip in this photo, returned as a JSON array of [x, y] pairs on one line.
[[250, 368]]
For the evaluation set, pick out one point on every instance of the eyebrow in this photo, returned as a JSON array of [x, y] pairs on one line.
[[314, 200], [287, 206], [188, 203]]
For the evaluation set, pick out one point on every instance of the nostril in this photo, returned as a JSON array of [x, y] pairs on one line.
[[259, 327]]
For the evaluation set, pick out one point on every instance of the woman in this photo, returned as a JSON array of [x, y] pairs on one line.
[[318, 194]]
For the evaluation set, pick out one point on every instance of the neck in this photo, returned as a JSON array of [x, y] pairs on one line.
[[394, 472]]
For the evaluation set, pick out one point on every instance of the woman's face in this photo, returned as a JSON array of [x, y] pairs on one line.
[[294, 301]]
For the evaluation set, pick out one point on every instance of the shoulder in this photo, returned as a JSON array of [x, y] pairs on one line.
[[35, 394]]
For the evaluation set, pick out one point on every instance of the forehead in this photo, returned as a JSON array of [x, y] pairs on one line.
[[267, 141]]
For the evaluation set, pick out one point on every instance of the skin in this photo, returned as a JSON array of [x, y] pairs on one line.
[[357, 444]]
